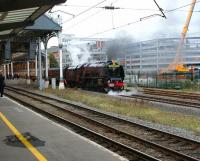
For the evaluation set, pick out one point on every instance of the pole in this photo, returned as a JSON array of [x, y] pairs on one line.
[[46, 67], [28, 73], [36, 66], [40, 64], [4, 68], [61, 83], [46, 61], [12, 74], [8, 70]]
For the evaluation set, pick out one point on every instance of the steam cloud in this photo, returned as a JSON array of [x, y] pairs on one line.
[[79, 55], [116, 46], [124, 93]]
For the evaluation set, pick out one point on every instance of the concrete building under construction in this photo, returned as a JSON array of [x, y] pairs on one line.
[[154, 55]]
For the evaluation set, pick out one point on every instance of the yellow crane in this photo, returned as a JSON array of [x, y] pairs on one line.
[[177, 64]]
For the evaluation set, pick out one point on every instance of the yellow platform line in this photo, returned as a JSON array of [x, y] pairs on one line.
[[27, 144]]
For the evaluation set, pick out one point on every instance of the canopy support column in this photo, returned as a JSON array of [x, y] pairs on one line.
[[36, 65], [4, 71], [40, 64], [8, 71], [28, 73], [46, 66], [61, 83], [12, 74]]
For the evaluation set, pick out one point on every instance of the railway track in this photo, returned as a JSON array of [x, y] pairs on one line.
[[166, 98], [156, 96], [168, 93], [134, 141]]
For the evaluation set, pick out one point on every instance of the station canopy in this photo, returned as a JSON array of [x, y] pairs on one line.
[[43, 26], [15, 15]]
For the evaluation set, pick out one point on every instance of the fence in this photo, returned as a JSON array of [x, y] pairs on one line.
[[166, 80]]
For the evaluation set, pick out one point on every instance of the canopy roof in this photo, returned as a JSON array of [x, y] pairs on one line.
[[43, 27], [16, 15], [44, 23]]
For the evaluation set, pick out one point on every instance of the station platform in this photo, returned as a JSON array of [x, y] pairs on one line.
[[44, 139]]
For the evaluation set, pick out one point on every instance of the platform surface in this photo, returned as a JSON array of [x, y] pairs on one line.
[[52, 141]]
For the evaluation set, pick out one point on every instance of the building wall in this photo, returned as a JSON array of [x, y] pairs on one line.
[[66, 55], [155, 55]]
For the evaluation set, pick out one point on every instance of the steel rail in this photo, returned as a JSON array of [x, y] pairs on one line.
[[183, 95], [165, 100]]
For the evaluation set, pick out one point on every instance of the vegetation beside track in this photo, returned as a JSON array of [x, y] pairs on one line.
[[130, 109]]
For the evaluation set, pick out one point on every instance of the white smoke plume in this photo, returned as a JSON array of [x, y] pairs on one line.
[[79, 54], [124, 92]]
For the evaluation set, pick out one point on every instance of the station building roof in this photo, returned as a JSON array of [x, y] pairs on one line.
[[16, 15]]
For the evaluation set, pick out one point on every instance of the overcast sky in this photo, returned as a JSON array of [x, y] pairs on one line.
[[94, 22]]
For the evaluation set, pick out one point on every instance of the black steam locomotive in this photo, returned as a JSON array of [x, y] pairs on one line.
[[102, 75]]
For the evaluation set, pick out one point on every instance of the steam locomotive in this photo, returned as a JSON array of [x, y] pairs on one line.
[[101, 75]]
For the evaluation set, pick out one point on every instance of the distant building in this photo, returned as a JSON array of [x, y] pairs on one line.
[[66, 55], [95, 46], [98, 51], [153, 55]]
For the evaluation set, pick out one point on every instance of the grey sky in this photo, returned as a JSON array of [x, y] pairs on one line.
[[98, 20]]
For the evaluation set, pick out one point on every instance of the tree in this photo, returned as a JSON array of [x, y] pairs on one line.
[[53, 62]]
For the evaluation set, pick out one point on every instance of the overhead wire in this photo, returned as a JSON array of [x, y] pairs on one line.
[[83, 20], [127, 24], [88, 9], [121, 26], [125, 8], [182, 6], [84, 11], [95, 6], [82, 6], [141, 19], [88, 16], [78, 6]]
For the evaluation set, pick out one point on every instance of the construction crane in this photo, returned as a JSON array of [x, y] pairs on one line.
[[177, 64]]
